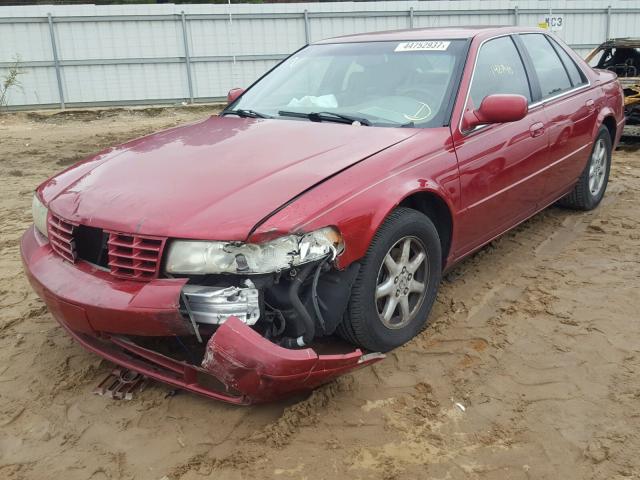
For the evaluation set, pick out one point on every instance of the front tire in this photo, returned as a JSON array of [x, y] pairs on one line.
[[397, 283], [592, 184]]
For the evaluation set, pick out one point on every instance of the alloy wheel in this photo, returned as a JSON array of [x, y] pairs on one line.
[[598, 167], [402, 282]]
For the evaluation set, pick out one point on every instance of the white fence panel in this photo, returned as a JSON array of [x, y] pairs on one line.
[[625, 24], [13, 44]]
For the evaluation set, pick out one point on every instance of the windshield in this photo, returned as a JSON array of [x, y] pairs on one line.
[[384, 83]]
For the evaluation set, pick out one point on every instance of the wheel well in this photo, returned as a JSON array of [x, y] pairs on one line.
[[437, 210], [610, 123]]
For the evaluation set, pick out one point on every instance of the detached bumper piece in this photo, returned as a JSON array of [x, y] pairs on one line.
[[239, 366], [262, 371]]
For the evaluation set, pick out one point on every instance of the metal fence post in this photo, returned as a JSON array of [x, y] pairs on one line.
[[187, 57], [307, 32], [516, 16], [56, 61], [608, 29], [411, 17]]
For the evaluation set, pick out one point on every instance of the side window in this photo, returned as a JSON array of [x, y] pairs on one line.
[[576, 76], [551, 73], [499, 69]]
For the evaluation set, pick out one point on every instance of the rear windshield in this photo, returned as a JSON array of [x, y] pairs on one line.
[[388, 83]]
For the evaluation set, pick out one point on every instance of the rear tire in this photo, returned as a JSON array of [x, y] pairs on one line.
[[396, 285], [592, 184]]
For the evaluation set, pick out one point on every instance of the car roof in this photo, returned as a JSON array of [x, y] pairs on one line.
[[433, 33]]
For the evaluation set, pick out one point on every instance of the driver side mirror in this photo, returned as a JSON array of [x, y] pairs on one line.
[[233, 94], [498, 108]]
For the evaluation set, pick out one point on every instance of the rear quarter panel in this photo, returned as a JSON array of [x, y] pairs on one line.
[[611, 102]]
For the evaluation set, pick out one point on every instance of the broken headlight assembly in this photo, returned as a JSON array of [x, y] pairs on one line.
[[39, 213], [198, 257]]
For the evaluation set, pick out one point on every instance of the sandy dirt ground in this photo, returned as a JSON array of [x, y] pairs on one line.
[[537, 337]]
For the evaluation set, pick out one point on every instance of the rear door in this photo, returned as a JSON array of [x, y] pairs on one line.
[[569, 109], [497, 162]]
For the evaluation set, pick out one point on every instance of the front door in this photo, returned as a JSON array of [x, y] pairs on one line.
[[497, 163]]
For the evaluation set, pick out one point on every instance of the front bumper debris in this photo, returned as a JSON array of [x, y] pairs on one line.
[[262, 371], [239, 365], [121, 384]]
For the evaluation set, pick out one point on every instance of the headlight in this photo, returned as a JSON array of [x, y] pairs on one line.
[[200, 257], [39, 212]]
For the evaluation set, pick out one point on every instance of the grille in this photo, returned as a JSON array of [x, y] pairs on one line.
[[61, 238], [134, 256]]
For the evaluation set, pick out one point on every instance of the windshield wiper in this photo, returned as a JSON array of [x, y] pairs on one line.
[[246, 113], [326, 117]]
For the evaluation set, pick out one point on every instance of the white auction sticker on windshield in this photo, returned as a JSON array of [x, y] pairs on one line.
[[428, 45]]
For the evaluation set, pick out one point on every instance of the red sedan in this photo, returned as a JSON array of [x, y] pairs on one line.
[[327, 198]]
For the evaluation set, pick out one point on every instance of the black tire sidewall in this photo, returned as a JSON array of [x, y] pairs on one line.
[[375, 335]]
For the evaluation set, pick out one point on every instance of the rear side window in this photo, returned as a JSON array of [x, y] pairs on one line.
[[499, 69], [551, 73], [576, 76]]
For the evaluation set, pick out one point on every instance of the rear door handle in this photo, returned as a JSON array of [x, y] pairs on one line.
[[590, 105], [536, 129]]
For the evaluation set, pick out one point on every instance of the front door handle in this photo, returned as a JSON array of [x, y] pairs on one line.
[[590, 105], [536, 129]]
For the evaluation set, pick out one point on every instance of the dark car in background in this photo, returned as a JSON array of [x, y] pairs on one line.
[[622, 56]]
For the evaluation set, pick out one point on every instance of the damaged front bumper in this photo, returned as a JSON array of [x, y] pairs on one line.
[[239, 366], [105, 315]]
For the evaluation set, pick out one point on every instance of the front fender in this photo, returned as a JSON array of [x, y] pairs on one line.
[[359, 199]]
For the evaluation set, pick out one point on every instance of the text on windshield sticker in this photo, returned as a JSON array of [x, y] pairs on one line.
[[429, 45]]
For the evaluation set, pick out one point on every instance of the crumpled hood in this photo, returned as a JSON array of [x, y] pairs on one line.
[[212, 180]]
